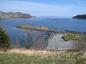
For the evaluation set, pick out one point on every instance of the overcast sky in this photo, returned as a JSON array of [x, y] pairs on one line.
[[60, 8]]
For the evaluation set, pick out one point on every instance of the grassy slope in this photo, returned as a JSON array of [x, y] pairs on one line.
[[6, 58]]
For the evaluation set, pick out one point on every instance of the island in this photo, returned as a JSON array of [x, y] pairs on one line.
[[14, 15], [83, 16], [33, 27], [38, 28]]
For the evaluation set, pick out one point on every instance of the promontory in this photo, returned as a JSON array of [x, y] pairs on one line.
[[14, 15], [83, 16]]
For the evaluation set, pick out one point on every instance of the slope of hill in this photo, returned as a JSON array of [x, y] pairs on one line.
[[80, 16], [14, 15]]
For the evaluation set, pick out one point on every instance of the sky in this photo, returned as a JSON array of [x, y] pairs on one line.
[[60, 8]]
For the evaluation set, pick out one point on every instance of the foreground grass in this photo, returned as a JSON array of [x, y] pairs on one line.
[[66, 58]]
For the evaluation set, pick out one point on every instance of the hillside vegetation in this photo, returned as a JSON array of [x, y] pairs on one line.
[[83, 16], [14, 15]]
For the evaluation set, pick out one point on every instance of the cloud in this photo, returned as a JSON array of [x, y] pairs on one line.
[[38, 9]]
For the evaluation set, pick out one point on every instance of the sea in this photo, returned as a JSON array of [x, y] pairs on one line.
[[58, 24]]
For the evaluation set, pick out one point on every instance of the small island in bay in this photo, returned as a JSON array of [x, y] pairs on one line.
[[38, 28], [33, 27], [14, 15], [83, 16]]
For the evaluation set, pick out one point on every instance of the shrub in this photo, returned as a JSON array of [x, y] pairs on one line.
[[4, 40], [69, 36], [75, 37], [82, 38]]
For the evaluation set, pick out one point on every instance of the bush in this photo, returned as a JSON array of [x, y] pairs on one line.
[[69, 36], [82, 38], [75, 37], [4, 40]]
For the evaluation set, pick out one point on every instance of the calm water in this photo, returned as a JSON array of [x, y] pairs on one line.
[[59, 24]]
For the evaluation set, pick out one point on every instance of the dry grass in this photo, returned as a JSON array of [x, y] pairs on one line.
[[43, 53], [25, 56], [36, 52]]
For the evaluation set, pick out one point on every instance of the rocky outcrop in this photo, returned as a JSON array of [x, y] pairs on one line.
[[14, 15], [55, 42]]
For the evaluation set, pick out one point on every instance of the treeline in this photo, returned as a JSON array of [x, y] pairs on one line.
[[80, 16]]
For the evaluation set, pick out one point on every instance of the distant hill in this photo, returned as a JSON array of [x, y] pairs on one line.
[[14, 15], [80, 16]]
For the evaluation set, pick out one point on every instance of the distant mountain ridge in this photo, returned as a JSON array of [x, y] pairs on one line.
[[14, 15], [83, 16]]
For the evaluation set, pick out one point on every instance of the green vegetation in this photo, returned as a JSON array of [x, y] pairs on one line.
[[69, 36], [4, 40], [75, 37], [9, 58], [82, 38], [41, 28]]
